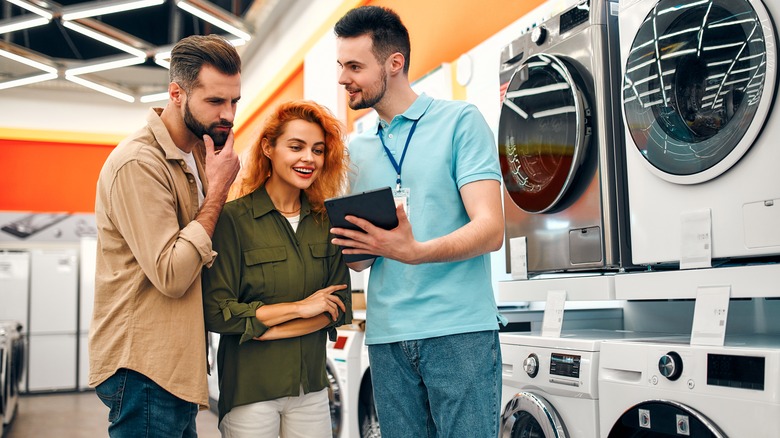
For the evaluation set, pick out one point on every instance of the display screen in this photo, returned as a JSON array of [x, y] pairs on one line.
[[565, 365], [572, 18], [736, 371]]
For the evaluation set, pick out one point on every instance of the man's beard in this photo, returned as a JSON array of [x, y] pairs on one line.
[[199, 129], [368, 100]]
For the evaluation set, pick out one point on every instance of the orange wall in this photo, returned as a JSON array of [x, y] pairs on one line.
[[47, 176]]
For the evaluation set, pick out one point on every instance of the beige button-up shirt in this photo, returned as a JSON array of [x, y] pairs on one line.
[[148, 313]]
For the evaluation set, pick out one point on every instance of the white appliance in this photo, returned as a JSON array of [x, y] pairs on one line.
[[560, 145], [351, 394], [213, 376], [699, 85], [53, 325], [87, 261], [654, 389], [550, 385], [12, 352]]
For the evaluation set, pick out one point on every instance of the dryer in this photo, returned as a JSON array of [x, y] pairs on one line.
[[559, 144], [699, 87], [550, 385], [655, 389]]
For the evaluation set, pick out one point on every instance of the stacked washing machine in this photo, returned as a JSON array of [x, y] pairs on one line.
[[699, 106], [560, 142], [699, 94]]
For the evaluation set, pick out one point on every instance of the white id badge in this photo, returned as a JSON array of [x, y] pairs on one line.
[[401, 197]]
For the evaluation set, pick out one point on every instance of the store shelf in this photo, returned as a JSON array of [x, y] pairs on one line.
[[578, 288], [751, 281]]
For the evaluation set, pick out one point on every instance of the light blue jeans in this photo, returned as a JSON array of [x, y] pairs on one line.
[[448, 386], [140, 408]]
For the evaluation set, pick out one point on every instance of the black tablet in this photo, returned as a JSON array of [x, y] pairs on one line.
[[376, 206]]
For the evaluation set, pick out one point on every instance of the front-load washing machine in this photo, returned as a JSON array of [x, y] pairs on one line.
[[550, 386], [699, 88], [353, 414], [11, 361], [559, 142], [674, 389]]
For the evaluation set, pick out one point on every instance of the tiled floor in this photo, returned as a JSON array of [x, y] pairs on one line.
[[76, 415]]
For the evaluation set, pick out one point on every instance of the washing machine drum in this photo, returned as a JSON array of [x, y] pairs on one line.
[[698, 85], [543, 132], [531, 415]]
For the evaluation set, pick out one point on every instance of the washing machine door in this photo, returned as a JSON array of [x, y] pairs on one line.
[[543, 132], [699, 81], [530, 415], [334, 399], [664, 418]]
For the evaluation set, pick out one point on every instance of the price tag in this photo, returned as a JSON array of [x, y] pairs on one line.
[[696, 239], [518, 258], [709, 315], [553, 314]]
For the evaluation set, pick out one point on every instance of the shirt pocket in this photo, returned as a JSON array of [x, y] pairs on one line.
[[263, 265], [322, 253]]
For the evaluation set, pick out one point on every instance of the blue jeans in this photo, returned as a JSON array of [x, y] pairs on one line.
[[448, 386], [140, 408]]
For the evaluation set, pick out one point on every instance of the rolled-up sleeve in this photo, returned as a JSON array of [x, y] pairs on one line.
[[224, 313], [339, 274]]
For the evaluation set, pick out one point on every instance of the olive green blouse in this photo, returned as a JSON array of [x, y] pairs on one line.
[[261, 260]]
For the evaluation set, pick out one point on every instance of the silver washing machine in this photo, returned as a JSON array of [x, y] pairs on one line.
[[701, 124], [673, 389], [560, 142]]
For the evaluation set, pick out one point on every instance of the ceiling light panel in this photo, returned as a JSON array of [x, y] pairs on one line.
[[103, 38], [109, 65], [32, 8], [21, 23], [102, 7], [28, 80], [215, 16], [28, 61], [101, 88]]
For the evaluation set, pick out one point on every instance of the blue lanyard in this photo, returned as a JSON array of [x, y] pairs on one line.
[[397, 165]]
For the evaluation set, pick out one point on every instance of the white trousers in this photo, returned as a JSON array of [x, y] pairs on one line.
[[304, 416]]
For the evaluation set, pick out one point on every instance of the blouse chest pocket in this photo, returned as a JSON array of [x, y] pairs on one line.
[[263, 265], [322, 253]]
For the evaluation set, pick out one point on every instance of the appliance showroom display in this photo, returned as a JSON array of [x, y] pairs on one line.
[[663, 388], [550, 385], [699, 87], [351, 394], [560, 142]]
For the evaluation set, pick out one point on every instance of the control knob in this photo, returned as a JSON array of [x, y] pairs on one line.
[[538, 34], [670, 365], [531, 365]]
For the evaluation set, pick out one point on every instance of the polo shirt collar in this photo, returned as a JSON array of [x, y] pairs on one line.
[[262, 204], [414, 112]]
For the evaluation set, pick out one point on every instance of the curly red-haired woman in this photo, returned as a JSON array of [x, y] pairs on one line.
[[278, 286]]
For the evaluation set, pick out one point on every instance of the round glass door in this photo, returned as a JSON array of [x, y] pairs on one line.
[[542, 133], [528, 415], [698, 84], [663, 418]]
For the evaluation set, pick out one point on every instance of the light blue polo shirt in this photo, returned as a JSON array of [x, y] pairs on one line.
[[451, 147]]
